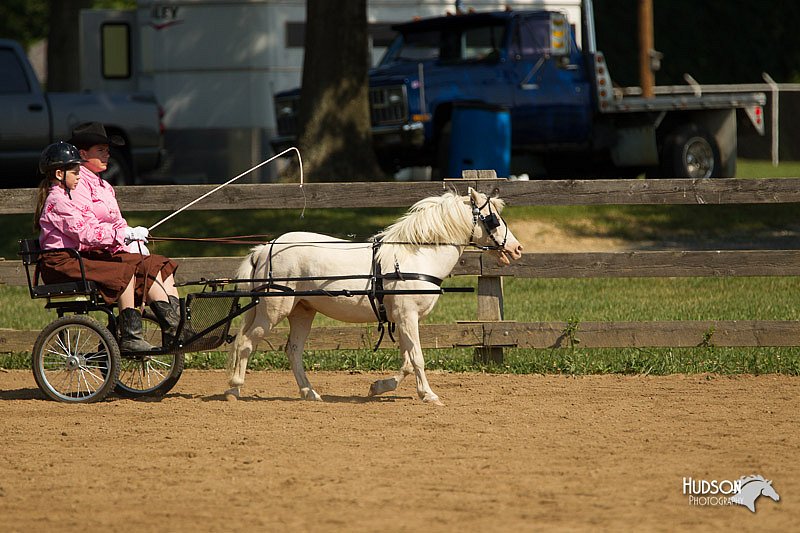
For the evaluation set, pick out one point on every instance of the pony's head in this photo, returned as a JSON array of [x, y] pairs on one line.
[[451, 219], [489, 230]]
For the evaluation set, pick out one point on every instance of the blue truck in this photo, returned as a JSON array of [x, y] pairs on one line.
[[565, 117]]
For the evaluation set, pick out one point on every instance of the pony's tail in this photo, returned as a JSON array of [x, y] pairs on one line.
[[247, 268]]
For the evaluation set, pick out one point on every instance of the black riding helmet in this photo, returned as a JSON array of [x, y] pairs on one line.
[[59, 155]]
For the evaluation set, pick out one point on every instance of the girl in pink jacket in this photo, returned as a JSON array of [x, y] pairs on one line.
[[121, 277]]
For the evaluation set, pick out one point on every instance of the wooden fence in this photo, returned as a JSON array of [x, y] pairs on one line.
[[489, 332]]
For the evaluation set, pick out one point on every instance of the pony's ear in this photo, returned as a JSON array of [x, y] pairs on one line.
[[475, 195]]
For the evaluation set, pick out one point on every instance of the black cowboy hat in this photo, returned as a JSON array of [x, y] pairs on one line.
[[88, 134]]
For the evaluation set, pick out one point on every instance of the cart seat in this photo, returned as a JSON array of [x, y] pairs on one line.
[[31, 252], [70, 288]]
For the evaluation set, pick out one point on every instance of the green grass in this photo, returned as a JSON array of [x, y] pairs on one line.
[[756, 168], [567, 300]]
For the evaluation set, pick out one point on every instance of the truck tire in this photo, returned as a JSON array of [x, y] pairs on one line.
[[119, 169], [691, 152]]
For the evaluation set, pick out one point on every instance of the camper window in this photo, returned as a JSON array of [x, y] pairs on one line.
[[116, 50]]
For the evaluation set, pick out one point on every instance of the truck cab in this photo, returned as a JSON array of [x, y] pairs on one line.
[[565, 118], [525, 61]]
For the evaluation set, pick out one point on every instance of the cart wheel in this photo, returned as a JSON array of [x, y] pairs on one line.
[[75, 359], [149, 375]]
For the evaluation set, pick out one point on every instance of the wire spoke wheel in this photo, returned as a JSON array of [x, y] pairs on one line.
[[75, 359], [149, 375]]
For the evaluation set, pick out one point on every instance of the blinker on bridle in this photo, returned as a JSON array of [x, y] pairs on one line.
[[490, 223]]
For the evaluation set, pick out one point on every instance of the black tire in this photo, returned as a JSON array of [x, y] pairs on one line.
[[690, 152], [149, 375], [119, 169], [75, 360]]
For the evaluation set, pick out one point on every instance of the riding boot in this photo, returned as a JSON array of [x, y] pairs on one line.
[[130, 325], [168, 315]]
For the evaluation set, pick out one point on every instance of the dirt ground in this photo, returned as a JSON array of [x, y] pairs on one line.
[[505, 453]]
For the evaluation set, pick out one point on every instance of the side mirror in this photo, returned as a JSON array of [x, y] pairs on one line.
[[559, 35]]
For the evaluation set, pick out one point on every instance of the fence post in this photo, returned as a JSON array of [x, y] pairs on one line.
[[490, 309], [490, 291]]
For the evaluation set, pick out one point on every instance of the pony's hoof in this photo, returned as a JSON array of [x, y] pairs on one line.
[[310, 395], [434, 400], [232, 395], [380, 386]]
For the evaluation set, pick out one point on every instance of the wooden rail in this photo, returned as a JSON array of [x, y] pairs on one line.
[[490, 333], [391, 194]]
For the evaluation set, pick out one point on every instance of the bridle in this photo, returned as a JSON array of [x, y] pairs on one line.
[[490, 223]]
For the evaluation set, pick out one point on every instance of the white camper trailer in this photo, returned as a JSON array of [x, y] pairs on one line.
[[215, 65]]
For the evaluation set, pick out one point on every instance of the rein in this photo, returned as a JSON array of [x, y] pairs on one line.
[[243, 240], [490, 222]]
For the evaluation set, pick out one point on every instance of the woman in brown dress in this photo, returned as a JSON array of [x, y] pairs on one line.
[[121, 276]]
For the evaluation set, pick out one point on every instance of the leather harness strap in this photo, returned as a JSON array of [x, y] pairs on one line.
[[377, 293]]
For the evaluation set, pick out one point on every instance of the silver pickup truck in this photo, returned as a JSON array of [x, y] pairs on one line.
[[30, 119]]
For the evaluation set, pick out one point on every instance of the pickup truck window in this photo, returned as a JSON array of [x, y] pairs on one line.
[[13, 80]]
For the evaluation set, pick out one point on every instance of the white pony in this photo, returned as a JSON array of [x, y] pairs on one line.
[[422, 247]]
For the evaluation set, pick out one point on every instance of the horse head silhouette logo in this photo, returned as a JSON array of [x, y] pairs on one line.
[[751, 488]]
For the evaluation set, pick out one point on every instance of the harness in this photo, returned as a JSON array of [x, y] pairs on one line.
[[376, 291], [490, 222]]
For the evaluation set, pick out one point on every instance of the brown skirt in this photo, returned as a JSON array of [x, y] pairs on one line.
[[111, 272]]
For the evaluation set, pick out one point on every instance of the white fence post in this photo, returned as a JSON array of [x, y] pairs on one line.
[[774, 128]]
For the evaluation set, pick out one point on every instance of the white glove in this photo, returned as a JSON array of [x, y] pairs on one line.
[[137, 247], [139, 233]]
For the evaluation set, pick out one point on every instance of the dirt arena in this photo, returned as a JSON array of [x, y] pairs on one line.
[[506, 453]]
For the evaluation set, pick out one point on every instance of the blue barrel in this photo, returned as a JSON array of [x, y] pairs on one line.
[[480, 139]]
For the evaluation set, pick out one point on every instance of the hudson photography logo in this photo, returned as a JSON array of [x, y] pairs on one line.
[[743, 491]]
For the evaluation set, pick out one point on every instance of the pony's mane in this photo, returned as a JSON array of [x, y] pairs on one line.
[[445, 219]]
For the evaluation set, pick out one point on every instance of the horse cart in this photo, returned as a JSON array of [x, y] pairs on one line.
[[77, 359]]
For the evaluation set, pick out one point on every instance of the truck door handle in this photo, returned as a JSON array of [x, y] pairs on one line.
[[35, 107]]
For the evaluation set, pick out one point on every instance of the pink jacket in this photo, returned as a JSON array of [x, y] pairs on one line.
[[66, 224], [98, 201]]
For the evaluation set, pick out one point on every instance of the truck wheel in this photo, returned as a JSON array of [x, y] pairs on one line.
[[119, 170], [691, 152]]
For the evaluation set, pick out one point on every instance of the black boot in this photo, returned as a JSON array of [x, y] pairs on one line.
[[168, 315], [130, 338]]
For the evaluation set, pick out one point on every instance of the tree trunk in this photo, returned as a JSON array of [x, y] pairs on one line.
[[63, 45], [334, 114]]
